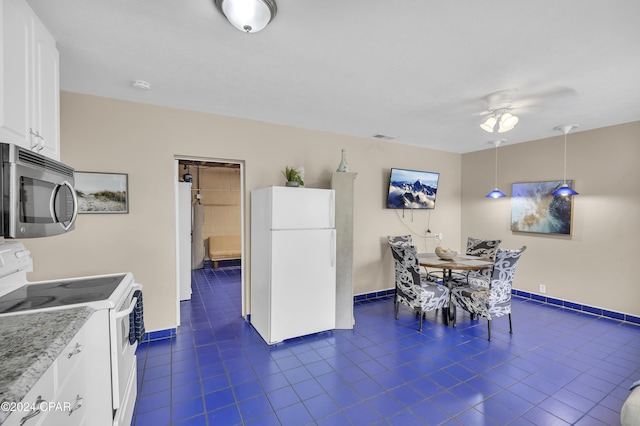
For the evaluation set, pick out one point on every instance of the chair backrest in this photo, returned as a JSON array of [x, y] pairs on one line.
[[482, 248], [502, 275], [407, 271], [395, 240]]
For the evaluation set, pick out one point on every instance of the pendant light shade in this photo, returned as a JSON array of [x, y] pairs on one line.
[[565, 190], [496, 193], [248, 15]]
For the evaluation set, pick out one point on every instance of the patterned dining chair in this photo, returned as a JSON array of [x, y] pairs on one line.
[[412, 288], [399, 240], [482, 248], [495, 300], [406, 239]]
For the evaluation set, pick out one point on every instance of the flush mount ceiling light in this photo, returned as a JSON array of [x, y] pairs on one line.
[[565, 190], [503, 118], [249, 16], [496, 193]]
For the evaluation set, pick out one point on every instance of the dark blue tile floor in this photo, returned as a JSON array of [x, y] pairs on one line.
[[559, 367]]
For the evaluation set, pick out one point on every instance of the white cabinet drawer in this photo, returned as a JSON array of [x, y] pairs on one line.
[[66, 363], [38, 398], [70, 403]]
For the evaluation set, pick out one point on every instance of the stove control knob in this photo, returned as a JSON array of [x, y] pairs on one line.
[[23, 253]]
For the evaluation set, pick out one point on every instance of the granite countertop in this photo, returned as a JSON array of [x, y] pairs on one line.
[[29, 343]]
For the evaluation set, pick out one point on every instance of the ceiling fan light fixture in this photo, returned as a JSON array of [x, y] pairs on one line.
[[507, 122], [249, 16], [489, 124]]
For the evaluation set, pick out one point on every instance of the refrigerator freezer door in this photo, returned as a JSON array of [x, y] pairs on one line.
[[303, 283], [302, 208]]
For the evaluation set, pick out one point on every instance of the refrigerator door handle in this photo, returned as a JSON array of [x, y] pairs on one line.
[[332, 209], [333, 248]]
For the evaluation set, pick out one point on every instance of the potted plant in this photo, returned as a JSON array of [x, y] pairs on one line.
[[293, 176]]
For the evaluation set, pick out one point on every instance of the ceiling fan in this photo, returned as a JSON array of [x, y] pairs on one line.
[[500, 107]]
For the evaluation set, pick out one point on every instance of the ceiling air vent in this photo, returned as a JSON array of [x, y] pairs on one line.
[[384, 137]]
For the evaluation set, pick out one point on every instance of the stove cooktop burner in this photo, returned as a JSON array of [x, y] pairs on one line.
[[81, 298], [23, 304], [59, 293], [83, 284]]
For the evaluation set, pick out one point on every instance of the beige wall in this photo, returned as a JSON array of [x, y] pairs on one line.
[[106, 135], [596, 264]]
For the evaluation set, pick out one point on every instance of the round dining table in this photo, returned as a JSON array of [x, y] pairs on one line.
[[459, 263]]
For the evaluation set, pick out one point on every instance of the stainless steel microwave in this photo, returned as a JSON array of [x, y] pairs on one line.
[[38, 195]]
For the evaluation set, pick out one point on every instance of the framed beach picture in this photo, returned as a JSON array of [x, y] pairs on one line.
[[534, 208], [102, 192]]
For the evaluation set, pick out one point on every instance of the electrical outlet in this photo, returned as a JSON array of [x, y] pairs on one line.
[[543, 288], [439, 236]]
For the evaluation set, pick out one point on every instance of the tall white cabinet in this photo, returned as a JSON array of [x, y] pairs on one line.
[[29, 81]]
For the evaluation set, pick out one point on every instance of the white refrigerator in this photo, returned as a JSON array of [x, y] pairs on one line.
[[293, 262]]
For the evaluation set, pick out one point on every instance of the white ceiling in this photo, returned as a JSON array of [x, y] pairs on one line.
[[417, 70]]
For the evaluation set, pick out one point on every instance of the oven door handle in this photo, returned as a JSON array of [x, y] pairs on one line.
[[127, 311]]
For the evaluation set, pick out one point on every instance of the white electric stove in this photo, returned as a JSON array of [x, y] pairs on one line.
[[113, 292]]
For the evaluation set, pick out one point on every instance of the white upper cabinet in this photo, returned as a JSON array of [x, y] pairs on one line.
[[15, 67], [29, 81], [46, 105]]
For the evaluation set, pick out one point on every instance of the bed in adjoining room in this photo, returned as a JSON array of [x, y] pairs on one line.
[[224, 247]]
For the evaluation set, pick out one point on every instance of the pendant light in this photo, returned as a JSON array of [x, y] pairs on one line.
[[565, 190], [496, 193], [249, 16]]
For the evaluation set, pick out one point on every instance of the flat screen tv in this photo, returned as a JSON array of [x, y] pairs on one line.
[[412, 189]]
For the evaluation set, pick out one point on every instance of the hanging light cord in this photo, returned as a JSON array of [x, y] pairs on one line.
[[497, 165], [564, 177]]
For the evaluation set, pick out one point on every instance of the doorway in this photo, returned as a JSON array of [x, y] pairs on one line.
[[210, 229]]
